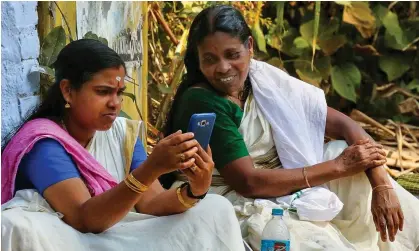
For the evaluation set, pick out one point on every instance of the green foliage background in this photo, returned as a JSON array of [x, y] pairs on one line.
[[364, 55]]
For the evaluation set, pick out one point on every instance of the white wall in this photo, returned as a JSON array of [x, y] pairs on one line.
[[19, 53]]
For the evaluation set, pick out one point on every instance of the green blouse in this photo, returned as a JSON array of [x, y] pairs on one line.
[[226, 142]]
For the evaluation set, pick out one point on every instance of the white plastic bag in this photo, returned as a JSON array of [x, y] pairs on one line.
[[313, 204]]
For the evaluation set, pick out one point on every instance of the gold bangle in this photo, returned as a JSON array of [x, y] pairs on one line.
[[132, 187], [137, 183], [305, 177], [387, 187], [384, 189], [181, 200]]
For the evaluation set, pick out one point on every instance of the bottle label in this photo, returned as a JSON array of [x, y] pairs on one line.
[[275, 245]]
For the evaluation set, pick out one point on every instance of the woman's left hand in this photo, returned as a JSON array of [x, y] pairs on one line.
[[387, 213], [200, 175]]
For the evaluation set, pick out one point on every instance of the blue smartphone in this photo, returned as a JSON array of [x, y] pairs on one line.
[[201, 124]]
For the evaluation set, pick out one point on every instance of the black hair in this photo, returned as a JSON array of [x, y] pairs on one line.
[[77, 62], [222, 18]]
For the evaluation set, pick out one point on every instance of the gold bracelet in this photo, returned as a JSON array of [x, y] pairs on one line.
[[384, 189], [137, 183], [132, 187], [181, 200], [305, 177], [387, 187]]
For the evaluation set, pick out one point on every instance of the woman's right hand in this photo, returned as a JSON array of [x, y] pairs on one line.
[[360, 156], [175, 152], [200, 177]]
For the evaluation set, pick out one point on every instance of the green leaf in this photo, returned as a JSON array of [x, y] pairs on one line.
[[401, 118], [391, 22], [287, 44], [259, 37], [103, 40], [413, 85], [407, 37], [394, 66], [165, 89], [301, 43], [380, 12], [305, 72], [344, 3], [324, 66], [124, 115], [187, 4], [196, 9], [310, 77], [280, 15], [328, 28], [53, 43], [273, 41], [395, 37], [391, 41], [332, 44], [277, 62], [91, 35], [277, 30], [345, 79], [316, 30], [306, 30]]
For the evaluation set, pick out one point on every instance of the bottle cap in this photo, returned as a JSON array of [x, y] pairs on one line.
[[277, 211]]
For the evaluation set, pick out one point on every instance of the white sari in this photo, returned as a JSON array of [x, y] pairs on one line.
[[30, 224], [352, 229], [284, 122]]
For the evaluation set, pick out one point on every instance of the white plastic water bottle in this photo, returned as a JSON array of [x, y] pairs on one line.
[[275, 235]]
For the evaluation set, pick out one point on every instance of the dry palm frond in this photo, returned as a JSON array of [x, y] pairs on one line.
[[400, 143]]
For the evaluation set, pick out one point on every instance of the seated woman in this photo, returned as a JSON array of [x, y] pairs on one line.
[[268, 141], [76, 160]]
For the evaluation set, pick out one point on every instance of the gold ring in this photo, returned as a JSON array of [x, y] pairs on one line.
[[182, 157], [193, 168]]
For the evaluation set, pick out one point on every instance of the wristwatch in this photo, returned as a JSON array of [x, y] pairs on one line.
[[189, 192]]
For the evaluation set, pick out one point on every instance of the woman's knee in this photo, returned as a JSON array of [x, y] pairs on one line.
[[217, 205], [15, 225]]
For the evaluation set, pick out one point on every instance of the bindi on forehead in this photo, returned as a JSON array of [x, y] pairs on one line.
[[113, 83], [120, 82]]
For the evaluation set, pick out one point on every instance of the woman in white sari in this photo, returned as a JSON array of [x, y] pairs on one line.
[[268, 142], [74, 174]]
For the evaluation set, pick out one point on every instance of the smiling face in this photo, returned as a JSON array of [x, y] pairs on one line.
[[224, 60], [97, 103]]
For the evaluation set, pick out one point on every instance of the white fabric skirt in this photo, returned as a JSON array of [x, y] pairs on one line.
[[29, 224], [352, 229]]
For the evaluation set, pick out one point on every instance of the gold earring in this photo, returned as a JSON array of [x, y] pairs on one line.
[[67, 105]]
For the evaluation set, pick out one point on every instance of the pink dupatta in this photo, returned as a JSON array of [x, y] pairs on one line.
[[96, 178]]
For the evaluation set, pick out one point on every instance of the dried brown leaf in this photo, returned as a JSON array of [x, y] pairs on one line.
[[360, 15], [366, 49], [409, 105]]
